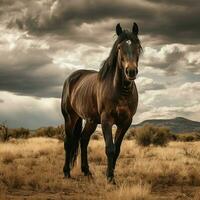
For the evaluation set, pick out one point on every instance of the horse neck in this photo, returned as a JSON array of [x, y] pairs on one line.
[[118, 77]]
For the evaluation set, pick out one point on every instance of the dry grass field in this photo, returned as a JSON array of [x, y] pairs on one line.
[[32, 169]]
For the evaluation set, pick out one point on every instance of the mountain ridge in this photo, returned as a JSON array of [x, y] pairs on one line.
[[176, 125]]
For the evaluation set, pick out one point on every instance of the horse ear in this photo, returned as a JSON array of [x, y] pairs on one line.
[[135, 29], [118, 29]]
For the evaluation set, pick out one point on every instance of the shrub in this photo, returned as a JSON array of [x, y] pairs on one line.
[[56, 132], [173, 137], [4, 136], [160, 136], [197, 136], [143, 135], [149, 134], [189, 138], [186, 138], [20, 133], [130, 134]]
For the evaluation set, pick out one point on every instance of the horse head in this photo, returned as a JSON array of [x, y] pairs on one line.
[[128, 51]]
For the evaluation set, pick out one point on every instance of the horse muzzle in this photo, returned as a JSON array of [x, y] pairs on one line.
[[131, 73]]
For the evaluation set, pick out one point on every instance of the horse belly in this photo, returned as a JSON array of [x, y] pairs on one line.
[[84, 104]]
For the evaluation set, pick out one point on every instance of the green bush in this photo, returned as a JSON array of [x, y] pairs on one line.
[[158, 136]]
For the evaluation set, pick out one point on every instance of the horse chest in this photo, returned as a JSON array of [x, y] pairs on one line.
[[123, 111]]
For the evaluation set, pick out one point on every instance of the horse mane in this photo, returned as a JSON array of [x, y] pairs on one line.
[[109, 65]]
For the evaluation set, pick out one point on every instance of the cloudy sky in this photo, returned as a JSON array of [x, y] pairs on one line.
[[43, 41]]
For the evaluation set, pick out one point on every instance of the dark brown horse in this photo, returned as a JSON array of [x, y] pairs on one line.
[[106, 97]]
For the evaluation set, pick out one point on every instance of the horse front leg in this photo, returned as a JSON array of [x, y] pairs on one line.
[[119, 135], [107, 124]]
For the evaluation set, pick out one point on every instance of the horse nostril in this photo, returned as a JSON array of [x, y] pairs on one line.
[[132, 72]]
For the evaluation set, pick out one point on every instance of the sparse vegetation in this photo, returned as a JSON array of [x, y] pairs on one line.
[[56, 132], [188, 137], [8, 134], [133, 192], [19, 133], [33, 162], [130, 135], [35, 165], [4, 136]]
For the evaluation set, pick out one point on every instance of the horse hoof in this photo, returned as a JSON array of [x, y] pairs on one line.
[[111, 180], [67, 176], [88, 174]]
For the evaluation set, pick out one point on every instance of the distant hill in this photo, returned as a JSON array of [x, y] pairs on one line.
[[176, 125]]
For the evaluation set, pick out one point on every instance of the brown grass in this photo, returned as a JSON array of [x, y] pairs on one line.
[[34, 166], [133, 192]]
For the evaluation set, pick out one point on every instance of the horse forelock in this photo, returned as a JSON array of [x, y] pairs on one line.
[[109, 65]]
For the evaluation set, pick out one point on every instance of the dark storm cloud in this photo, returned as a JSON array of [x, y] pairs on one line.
[[6, 2], [60, 14], [171, 21], [177, 2], [31, 73], [171, 61]]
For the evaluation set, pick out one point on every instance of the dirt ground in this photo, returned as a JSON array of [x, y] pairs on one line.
[[32, 169]]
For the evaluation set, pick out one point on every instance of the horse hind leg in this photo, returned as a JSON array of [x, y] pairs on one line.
[[67, 146], [73, 126], [85, 137], [75, 141]]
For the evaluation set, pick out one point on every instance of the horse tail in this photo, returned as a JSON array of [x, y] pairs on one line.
[[75, 138], [64, 99]]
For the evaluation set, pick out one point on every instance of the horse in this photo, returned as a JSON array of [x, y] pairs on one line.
[[107, 97]]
